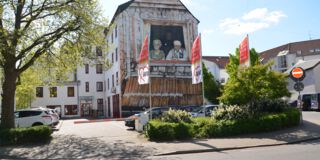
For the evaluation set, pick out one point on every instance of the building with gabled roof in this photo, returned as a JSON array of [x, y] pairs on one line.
[[165, 21], [217, 66], [286, 56]]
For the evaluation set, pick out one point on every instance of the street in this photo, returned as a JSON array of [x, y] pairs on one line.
[[303, 151], [112, 140]]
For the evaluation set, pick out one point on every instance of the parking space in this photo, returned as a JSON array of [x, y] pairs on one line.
[[108, 131]]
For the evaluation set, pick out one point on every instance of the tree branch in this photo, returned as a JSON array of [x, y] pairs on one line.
[[41, 39], [17, 23], [48, 43]]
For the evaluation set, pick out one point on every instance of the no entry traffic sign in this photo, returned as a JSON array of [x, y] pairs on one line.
[[297, 74]]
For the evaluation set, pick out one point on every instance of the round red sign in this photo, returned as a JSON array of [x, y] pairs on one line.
[[297, 73]]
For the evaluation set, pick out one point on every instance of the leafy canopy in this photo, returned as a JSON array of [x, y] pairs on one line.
[[48, 36], [251, 84]]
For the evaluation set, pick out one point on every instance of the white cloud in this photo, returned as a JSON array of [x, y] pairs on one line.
[[252, 21], [258, 13]]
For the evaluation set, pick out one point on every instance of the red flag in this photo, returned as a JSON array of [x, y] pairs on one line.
[[143, 67], [196, 66], [244, 50], [144, 54]]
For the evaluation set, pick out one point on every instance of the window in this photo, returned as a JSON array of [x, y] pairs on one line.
[[117, 55], [70, 91], [117, 78], [86, 68], [116, 32], [112, 37], [299, 52], [99, 86], [282, 62], [53, 91], [87, 86], [112, 58], [39, 92], [166, 34], [112, 80], [29, 113], [311, 50], [99, 68], [99, 51], [222, 80], [100, 107], [70, 110], [108, 84], [317, 49]]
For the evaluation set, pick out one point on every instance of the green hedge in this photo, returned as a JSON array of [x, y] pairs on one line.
[[35, 134], [208, 127]]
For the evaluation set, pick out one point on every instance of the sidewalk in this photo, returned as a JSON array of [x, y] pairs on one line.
[[309, 130]]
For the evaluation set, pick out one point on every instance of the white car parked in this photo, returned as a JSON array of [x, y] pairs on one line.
[[204, 111], [52, 112], [29, 118]]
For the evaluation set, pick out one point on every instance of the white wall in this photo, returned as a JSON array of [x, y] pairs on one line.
[[92, 77], [217, 72], [213, 69], [115, 66], [62, 98]]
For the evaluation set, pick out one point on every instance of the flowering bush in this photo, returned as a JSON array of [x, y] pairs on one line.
[[176, 116], [232, 112]]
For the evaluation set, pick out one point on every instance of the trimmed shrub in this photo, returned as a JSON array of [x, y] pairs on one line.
[[162, 131], [271, 106], [233, 112], [176, 116], [35, 134], [209, 127]]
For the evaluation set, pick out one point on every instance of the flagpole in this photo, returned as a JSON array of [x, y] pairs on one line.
[[249, 59], [203, 97], [150, 94]]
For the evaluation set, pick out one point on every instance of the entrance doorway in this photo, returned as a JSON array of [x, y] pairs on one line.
[[115, 102]]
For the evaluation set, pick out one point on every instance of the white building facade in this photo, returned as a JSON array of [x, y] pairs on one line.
[[82, 95], [305, 54], [216, 65]]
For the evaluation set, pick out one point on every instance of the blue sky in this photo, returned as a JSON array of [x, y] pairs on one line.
[[269, 23]]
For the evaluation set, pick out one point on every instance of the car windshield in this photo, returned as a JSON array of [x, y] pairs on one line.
[[198, 109]]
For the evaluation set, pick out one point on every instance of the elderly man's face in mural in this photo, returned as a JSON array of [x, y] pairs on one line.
[[177, 45]]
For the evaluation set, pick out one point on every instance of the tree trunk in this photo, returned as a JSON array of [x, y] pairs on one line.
[[8, 96]]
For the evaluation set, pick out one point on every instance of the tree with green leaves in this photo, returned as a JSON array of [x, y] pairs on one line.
[[247, 85], [211, 86], [43, 32], [25, 92]]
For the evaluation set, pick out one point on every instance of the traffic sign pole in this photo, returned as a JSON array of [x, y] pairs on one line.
[[298, 74]]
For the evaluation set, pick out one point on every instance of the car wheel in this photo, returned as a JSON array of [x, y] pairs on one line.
[[37, 124]]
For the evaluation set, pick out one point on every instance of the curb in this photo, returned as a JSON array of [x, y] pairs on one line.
[[236, 148], [57, 128]]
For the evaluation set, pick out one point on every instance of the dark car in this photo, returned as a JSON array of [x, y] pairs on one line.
[[311, 101], [156, 112], [191, 108]]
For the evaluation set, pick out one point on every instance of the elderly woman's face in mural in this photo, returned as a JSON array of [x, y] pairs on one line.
[[157, 44]]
